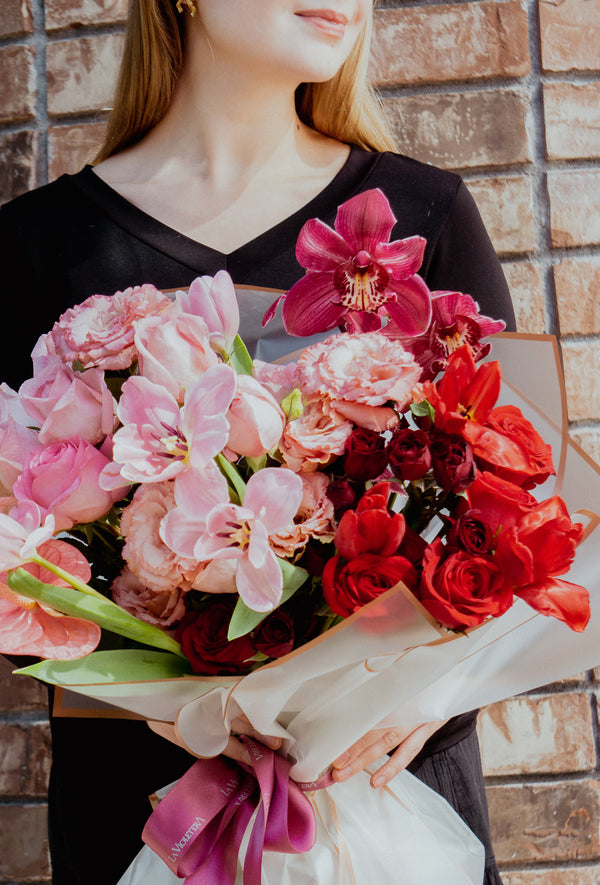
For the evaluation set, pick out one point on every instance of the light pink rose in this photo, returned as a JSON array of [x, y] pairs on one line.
[[147, 556], [174, 350], [314, 439], [64, 403], [62, 479], [365, 368], [17, 443], [313, 520], [256, 421], [163, 608], [99, 332]]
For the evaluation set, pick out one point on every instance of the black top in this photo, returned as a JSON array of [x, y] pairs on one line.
[[77, 237]]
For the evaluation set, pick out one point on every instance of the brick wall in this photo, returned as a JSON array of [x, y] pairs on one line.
[[507, 93]]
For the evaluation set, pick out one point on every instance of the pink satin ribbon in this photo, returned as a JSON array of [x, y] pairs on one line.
[[198, 827]]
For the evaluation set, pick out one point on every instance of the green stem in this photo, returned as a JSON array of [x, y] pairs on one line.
[[75, 582]]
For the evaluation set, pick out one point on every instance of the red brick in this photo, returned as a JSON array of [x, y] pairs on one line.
[[17, 76], [589, 441], [18, 160], [577, 282], [579, 876], [20, 692], [545, 822], [570, 35], [462, 130], [467, 41], [25, 759], [507, 209], [527, 291], [69, 13], [572, 115], [23, 836], [82, 73], [574, 202], [70, 147], [582, 370], [533, 735], [15, 18]]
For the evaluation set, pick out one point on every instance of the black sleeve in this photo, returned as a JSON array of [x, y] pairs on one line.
[[463, 260]]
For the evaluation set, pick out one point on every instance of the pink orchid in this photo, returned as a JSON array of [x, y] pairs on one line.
[[355, 275], [214, 299], [30, 628], [271, 501], [455, 321], [159, 439]]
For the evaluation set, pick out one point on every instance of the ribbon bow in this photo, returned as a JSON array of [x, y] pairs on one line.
[[198, 827]]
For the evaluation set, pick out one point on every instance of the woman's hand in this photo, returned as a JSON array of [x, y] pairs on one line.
[[235, 749], [375, 744]]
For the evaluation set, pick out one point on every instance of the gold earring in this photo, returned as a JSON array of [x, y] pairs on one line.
[[190, 5]]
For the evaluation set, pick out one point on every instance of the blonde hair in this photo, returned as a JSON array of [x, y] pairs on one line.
[[344, 107]]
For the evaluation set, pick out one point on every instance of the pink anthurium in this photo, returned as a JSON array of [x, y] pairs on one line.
[[355, 275]]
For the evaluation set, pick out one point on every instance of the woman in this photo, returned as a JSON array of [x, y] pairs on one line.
[[235, 122]]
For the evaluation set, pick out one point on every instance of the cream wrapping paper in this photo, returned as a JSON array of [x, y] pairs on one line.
[[404, 834]]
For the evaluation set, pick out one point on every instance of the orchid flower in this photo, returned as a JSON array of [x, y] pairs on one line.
[[158, 439], [355, 275]]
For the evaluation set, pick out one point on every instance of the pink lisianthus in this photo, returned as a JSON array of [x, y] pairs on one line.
[[279, 380], [214, 299], [315, 438], [64, 403], [359, 370], [455, 321], [256, 421], [29, 628], [355, 275], [158, 568], [99, 332], [62, 480], [174, 350], [314, 518], [164, 608]]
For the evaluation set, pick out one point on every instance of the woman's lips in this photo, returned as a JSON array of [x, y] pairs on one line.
[[326, 20]]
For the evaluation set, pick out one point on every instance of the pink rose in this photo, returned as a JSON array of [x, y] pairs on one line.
[[313, 520], [314, 438], [164, 608], [64, 403], [99, 332], [174, 350], [62, 479], [366, 368], [147, 556], [256, 421]]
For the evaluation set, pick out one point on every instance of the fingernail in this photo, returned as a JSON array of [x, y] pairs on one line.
[[342, 773], [341, 760], [272, 742], [378, 781]]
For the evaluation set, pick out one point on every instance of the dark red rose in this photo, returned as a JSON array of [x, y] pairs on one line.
[[471, 533], [409, 454], [460, 589], [413, 546], [203, 638], [452, 461], [347, 586], [275, 635], [342, 495], [366, 455]]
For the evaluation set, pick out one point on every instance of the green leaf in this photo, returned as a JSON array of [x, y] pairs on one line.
[[256, 464], [424, 409], [92, 608], [99, 667], [232, 476], [244, 619], [239, 358]]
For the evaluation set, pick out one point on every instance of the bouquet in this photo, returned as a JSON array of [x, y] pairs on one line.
[[294, 534]]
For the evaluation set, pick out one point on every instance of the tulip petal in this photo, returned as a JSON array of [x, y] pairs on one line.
[[274, 495], [319, 248], [312, 305], [365, 221], [559, 599], [261, 589]]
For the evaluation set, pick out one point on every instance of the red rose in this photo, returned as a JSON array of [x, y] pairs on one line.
[[203, 638], [509, 446], [275, 635], [409, 454], [471, 533], [452, 461], [461, 590], [366, 455], [347, 586], [501, 503]]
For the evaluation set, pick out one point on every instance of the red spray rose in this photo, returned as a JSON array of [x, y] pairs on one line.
[[275, 635], [347, 586], [471, 533], [366, 456], [409, 454], [203, 638], [452, 461]]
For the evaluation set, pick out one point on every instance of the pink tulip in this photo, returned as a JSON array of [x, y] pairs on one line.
[[214, 299], [256, 421]]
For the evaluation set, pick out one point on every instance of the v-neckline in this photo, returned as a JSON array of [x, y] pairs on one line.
[[195, 254]]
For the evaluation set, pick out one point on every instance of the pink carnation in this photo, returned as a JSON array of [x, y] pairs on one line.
[[364, 368], [314, 439], [313, 520], [148, 557], [99, 332], [163, 608]]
